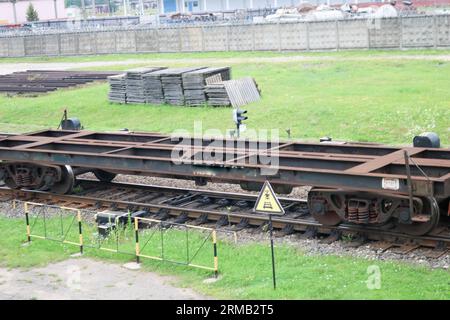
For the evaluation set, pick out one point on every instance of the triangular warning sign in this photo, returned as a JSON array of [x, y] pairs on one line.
[[267, 201]]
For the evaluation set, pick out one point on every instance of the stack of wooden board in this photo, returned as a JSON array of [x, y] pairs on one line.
[[216, 94], [153, 89], [118, 89], [136, 85], [194, 83], [172, 83], [192, 86], [232, 92]]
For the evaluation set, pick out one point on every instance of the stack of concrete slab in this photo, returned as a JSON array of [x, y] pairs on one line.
[[172, 83], [136, 84], [194, 83], [118, 88]]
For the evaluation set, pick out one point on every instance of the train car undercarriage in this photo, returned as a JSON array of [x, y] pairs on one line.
[[364, 184]]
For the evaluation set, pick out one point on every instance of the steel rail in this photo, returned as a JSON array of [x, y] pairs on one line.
[[299, 224]]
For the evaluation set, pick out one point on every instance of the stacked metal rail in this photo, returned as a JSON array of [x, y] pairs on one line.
[[41, 81]]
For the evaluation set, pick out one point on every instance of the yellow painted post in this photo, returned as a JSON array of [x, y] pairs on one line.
[[136, 232], [80, 231], [216, 259], [27, 219]]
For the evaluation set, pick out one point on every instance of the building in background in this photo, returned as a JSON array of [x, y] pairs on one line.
[[15, 11], [185, 6]]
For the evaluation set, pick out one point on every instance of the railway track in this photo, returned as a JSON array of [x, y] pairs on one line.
[[228, 210]]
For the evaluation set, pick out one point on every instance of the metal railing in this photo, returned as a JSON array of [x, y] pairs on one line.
[[143, 238]]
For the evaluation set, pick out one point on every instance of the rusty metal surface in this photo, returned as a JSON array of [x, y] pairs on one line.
[[39, 81], [352, 166]]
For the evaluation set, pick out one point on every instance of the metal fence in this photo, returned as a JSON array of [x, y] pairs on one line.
[[143, 238]]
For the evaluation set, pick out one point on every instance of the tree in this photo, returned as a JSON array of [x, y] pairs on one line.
[[32, 14]]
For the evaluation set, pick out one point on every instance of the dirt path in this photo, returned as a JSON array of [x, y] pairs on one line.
[[88, 279], [6, 68]]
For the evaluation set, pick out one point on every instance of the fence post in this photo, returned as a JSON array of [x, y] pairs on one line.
[[135, 41], [307, 36], [136, 232], [228, 38], [279, 36], [253, 36], [435, 32], [337, 35], [203, 38], [216, 260], [27, 219], [401, 32], [80, 231], [59, 43], [180, 46]]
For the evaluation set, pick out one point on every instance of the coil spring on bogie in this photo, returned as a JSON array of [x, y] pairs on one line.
[[352, 211], [360, 211], [363, 212], [373, 213], [23, 179]]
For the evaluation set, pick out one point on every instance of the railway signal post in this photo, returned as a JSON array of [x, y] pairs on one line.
[[238, 117], [268, 203]]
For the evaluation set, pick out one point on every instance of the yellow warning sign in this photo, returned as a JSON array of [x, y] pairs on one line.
[[267, 201]]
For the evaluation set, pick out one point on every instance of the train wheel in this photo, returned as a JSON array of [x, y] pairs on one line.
[[319, 209], [418, 228], [10, 183], [65, 185], [104, 176]]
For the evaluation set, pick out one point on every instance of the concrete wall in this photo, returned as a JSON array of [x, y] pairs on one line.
[[399, 33]]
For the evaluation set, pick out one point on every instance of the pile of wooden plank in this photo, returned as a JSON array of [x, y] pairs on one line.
[[172, 83], [191, 86], [118, 88], [216, 95], [153, 89], [136, 85], [236, 93], [194, 83]]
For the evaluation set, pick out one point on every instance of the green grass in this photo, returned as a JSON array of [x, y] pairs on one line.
[[382, 100], [245, 270], [231, 54]]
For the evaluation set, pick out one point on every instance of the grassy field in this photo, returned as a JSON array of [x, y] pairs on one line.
[[231, 54], [245, 270], [382, 100]]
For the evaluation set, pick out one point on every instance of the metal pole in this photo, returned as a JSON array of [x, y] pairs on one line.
[[80, 231], [136, 234], [216, 260], [273, 253], [409, 182], [27, 218], [56, 9]]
